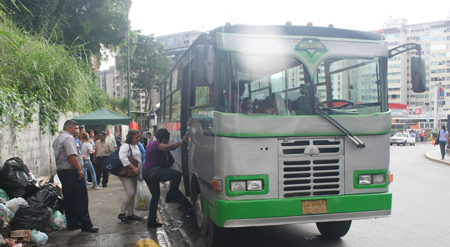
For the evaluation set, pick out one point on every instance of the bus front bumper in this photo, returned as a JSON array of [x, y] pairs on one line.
[[289, 211]]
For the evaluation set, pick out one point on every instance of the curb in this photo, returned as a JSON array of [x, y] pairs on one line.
[[429, 155]]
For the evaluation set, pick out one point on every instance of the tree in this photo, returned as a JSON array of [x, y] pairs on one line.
[[96, 23], [147, 64]]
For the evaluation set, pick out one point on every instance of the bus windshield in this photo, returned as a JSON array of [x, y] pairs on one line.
[[281, 85]]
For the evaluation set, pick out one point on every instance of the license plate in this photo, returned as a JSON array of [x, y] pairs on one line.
[[314, 207]]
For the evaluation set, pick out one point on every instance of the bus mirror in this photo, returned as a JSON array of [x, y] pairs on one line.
[[203, 65], [418, 74]]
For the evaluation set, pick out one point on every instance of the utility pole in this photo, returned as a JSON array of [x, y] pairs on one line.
[[128, 63]]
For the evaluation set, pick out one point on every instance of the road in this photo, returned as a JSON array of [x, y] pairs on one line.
[[421, 208]]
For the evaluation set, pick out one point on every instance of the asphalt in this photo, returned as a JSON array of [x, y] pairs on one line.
[[104, 207]]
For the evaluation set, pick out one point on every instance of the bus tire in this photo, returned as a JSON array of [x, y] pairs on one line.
[[201, 218], [335, 229], [216, 236]]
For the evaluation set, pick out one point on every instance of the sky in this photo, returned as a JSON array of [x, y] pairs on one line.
[[167, 17]]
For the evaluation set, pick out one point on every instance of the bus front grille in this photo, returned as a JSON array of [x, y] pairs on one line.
[[311, 167]]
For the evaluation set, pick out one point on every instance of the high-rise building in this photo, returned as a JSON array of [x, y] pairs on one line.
[[434, 39], [175, 44]]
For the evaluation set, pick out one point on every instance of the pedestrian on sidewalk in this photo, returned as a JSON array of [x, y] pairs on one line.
[[87, 150], [130, 147], [442, 139], [103, 149], [68, 159], [154, 172]]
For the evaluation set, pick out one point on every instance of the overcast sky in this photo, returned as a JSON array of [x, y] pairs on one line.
[[167, 17]]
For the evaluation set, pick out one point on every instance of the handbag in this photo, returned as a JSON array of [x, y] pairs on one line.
[[168, 160], [127, 171]]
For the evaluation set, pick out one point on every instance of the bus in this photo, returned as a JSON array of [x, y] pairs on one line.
[[286, 125]]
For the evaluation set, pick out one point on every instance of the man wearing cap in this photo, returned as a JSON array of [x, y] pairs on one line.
[[68, 163], [103, 149]]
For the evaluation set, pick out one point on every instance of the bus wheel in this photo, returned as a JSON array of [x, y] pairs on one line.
[[335, 229], [200, 217], [216, 236]]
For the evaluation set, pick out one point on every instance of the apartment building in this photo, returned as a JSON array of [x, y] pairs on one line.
[[434, 38], [176, 44], [115, 85]]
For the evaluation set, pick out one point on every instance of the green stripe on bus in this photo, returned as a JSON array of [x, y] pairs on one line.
[[253, 209], [294, 134]]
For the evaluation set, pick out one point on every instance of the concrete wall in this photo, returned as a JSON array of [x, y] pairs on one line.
[[33, 147]]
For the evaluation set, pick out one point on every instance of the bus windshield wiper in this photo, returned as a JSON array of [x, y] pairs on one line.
[[353, 138]]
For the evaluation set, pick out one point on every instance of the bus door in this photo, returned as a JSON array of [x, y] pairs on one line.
[[201, 138]]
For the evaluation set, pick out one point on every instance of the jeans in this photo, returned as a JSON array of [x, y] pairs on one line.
[[153, 177], [442, 146], [75, 199], [89, 167]]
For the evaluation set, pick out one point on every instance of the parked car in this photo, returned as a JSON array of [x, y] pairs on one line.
[[403, 139]]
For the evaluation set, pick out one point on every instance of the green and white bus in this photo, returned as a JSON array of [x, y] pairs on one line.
[[286, 125]]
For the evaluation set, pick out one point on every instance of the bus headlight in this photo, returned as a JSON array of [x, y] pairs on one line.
[[254, 185], [378, 178], [247, 185], [364, 179], [238, 185], [371, 179]]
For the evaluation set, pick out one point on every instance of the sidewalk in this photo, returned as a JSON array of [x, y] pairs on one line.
[[435, 155], [104, 208]]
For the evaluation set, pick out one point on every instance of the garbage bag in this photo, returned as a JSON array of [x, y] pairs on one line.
[[4, 195], [5, 214], [31, 217], [15, 203], [5, 229], [38, 237], [142, 198], [48, 195], [16, 179], [58, 221], [146, 242]]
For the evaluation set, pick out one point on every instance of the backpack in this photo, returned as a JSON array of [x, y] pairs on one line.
[[112, 163]]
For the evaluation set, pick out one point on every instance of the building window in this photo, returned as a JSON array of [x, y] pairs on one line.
[[169, 42], [178, 40]]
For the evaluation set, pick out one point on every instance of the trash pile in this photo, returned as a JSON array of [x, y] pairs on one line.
[[28, 208]]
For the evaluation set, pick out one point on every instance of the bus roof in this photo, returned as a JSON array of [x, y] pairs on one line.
[[301, 30]]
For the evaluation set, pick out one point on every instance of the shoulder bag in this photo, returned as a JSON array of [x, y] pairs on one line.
[[168, 160], [127, 171]]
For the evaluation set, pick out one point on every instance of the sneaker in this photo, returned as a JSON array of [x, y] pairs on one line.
[[134, 217], [89, 182], [98, 188], [123, 218], [104, 186], [91, 230]]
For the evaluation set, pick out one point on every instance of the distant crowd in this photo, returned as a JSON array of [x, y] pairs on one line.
[[420, 135]]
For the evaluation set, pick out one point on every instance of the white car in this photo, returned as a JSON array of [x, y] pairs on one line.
[[403, 139]]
